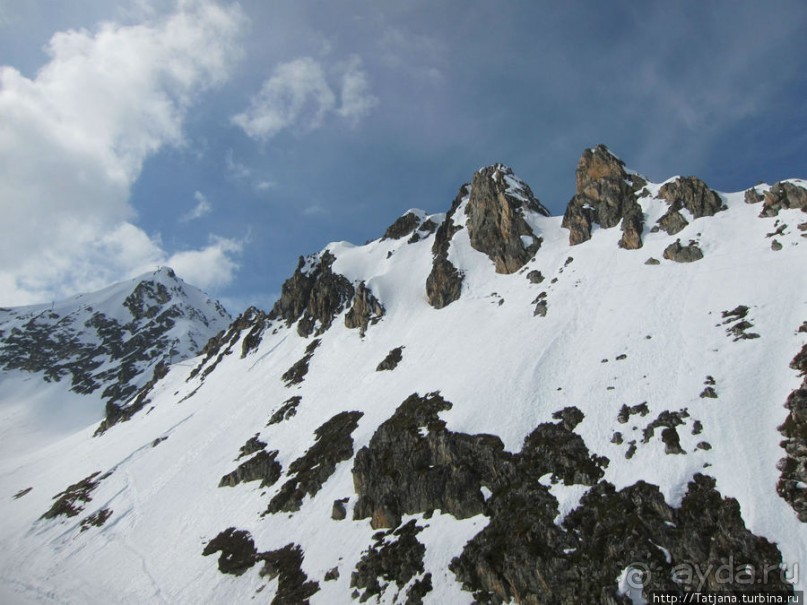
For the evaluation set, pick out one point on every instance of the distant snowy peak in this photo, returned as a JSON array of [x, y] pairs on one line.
[[111, 340]]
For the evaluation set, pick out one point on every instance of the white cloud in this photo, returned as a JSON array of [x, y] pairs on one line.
[[203, 207], [210, 267], [299, 97], [76, 135], [357, 101]]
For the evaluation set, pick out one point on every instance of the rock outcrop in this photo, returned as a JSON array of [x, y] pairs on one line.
[[793, 467], [783, 195], [606, 196], [523, 553], [414, 464], [309, 472], [496, 224], [364, 311], [313, 296], [683, 254], [444, 283], [403, 226], [688, 193]]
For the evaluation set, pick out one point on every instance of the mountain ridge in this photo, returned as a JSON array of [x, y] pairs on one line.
[[367, 440]]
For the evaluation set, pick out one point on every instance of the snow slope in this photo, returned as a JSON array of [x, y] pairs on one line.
[[617, 331]]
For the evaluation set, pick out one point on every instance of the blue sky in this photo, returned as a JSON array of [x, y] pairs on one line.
[[228, 139]]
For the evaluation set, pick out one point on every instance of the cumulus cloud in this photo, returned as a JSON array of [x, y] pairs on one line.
[[298, 96], [210, 267], [356, 99], [202, 208], [76, 135]]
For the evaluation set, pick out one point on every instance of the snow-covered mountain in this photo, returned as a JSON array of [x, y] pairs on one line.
[[71, 362], [490, 405]]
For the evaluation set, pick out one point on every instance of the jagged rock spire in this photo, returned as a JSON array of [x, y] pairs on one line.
[[605, 196], [496, 223]]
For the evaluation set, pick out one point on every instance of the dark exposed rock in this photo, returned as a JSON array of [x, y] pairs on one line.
[[286, 564], [253, 321], [704, 445], [671, 440], [693, 194], [741, 325], [297, 372], [339, 512], [709, 392], [783, 195], [331, 575], [535, 277], [116, 413], [570, 417], [522, 555], [666, 419], [314, 295], [158, 441], [776, 246], [365, 310], [396, 556], [697, 427], [444, 283], [97, 519], [391, 361], [605, 196], [22, 492], [285, 411], [309, 472], [793, 467], [71, 501], [626, 412], [652, 261], [738, 312], [541, 308], [403, 226], [496, 223], [672, 222], [262, 467], [238, 552], [252, 445], [414, 464], [752, 196], [617, 438], [683, 254]]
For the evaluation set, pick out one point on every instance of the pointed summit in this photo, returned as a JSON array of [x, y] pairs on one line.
[[498, 208], [605, 196]]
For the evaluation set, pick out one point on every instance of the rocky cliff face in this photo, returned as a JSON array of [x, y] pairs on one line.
[[605, 196], [496, 222]]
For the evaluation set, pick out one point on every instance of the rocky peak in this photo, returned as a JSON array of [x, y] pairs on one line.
[[496, 217], [606, 195], [111, 341]]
